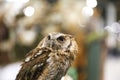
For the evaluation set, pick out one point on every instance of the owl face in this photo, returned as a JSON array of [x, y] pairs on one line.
[[57, 41]]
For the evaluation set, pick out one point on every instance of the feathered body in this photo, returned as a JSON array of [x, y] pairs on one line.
[[50, 60]]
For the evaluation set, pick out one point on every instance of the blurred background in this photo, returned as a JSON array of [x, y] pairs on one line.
[[94, 24]]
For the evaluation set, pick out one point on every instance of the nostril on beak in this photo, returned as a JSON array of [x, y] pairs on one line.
[[52, 43]]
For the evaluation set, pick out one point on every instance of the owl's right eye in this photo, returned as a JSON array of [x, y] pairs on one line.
[[61, 38], [49, 37]]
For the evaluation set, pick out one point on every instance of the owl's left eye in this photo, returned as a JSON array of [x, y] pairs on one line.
[[49, 37], [61, 38]]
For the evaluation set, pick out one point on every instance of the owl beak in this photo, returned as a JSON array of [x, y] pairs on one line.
[[52, 43]]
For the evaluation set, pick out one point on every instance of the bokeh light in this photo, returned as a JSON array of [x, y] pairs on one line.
[[29, 11], [87, 11], [91, 3]]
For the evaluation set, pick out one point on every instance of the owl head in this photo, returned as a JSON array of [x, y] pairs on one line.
[[58, 41]]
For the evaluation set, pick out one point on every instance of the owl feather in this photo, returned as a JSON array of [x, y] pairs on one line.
[[50, 60]]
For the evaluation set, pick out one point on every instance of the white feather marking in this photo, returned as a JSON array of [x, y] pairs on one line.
[[36, 55], [40, 64], [28, 59], [49, 59], [39, 53], [34, 66]]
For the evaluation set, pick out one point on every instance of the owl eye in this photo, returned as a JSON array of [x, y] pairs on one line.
[[49, 37], [61, 38]]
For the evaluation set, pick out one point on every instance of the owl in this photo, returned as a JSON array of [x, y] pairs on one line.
[[51, 59]]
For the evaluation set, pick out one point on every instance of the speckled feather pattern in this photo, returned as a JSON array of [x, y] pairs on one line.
[[46, 63]]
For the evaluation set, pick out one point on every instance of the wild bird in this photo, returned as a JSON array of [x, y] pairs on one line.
[[51, 59]]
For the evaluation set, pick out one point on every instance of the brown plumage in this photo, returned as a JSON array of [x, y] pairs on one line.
[[50, 60]]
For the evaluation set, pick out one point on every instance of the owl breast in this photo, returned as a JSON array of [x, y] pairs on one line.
[[58, 66]]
